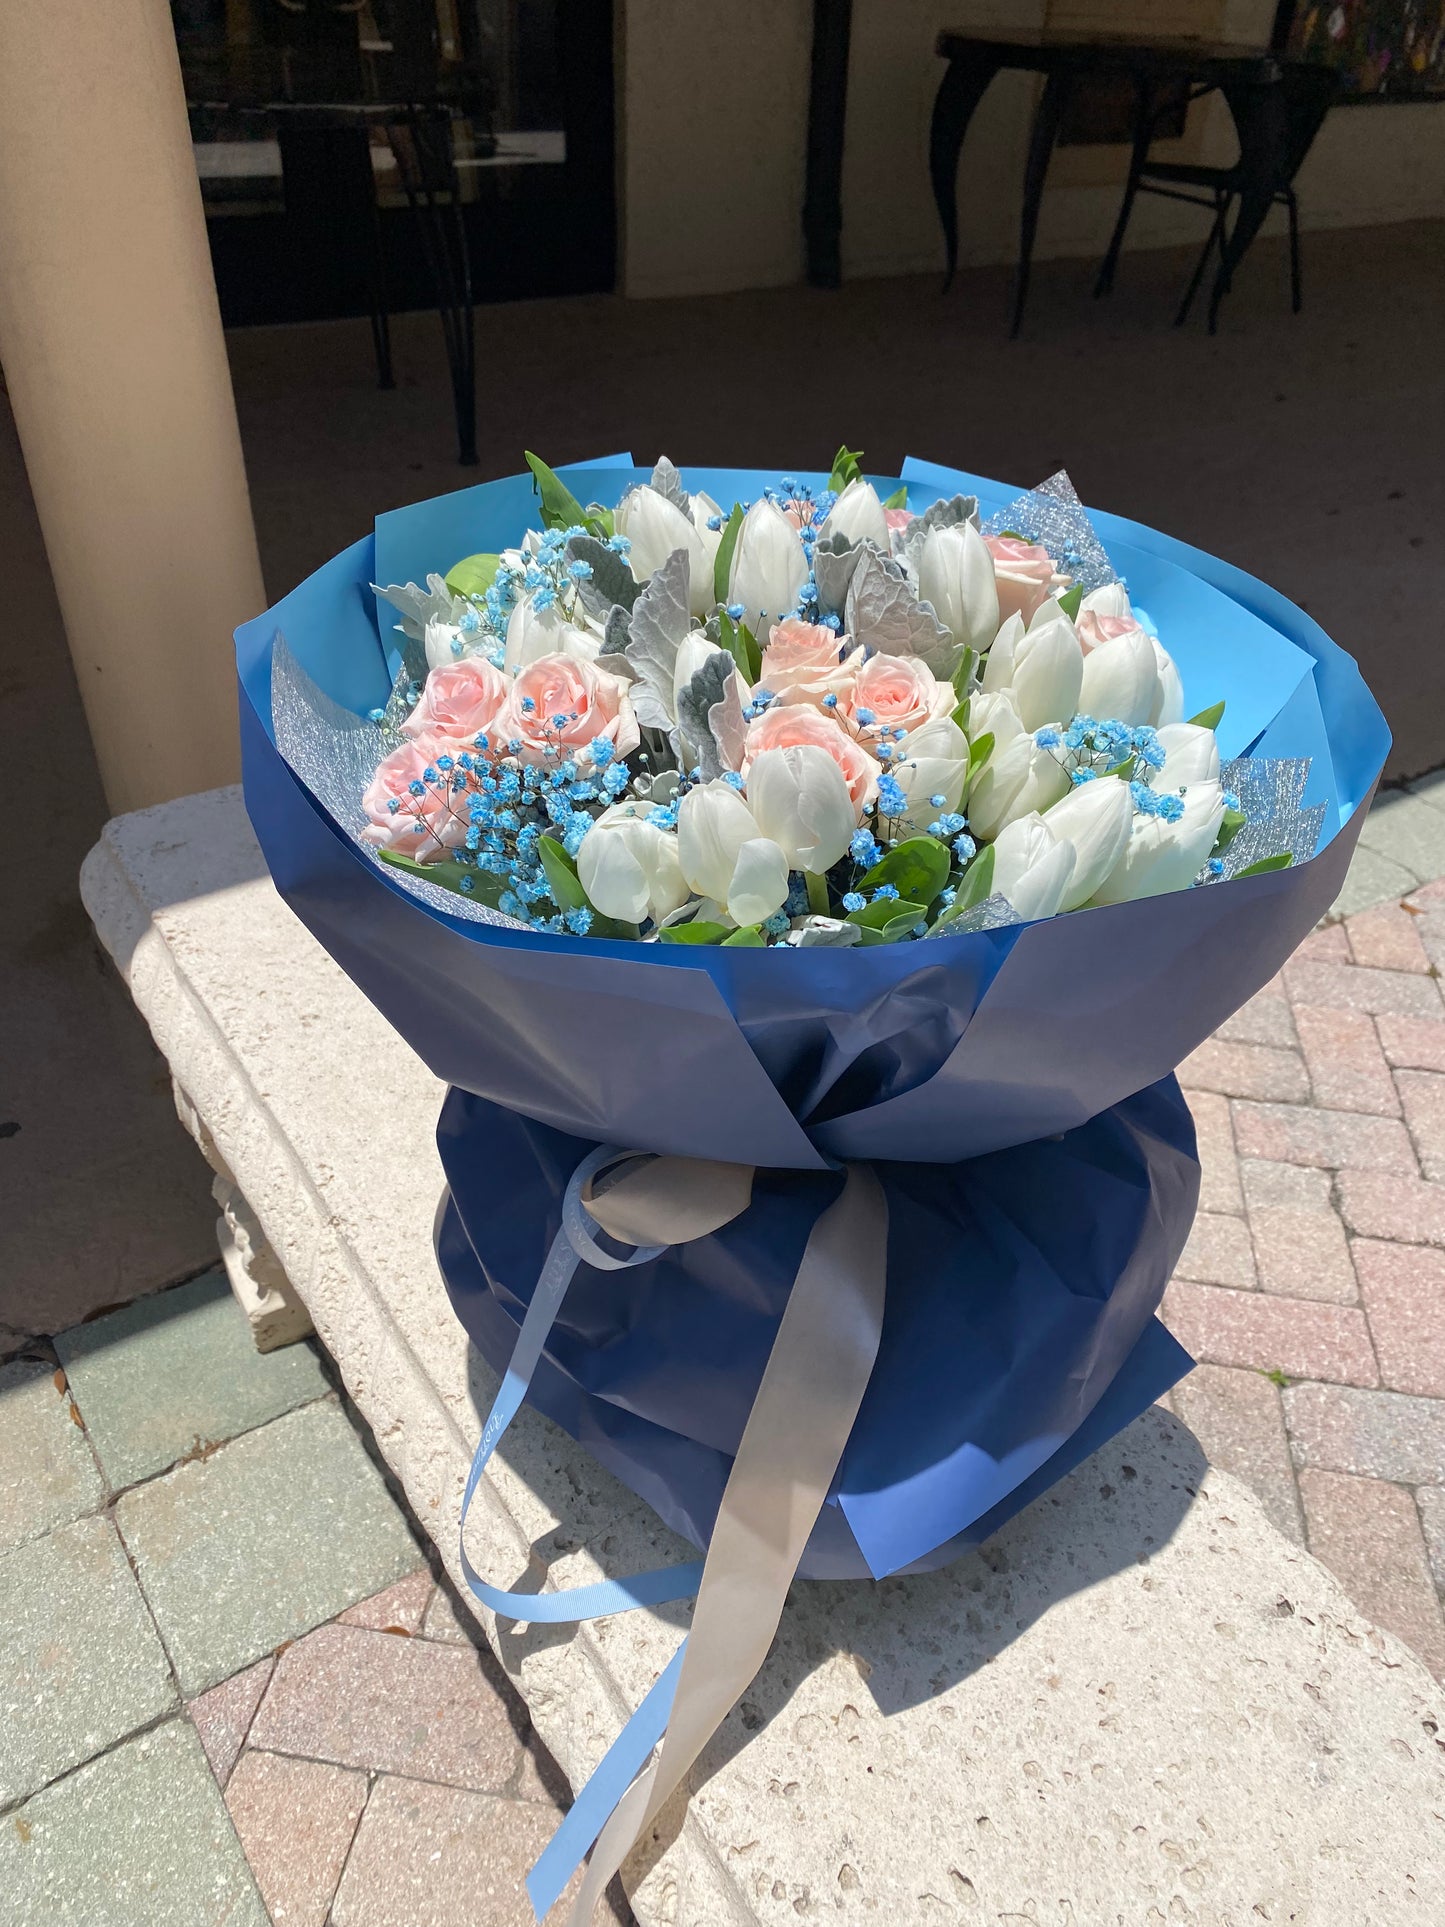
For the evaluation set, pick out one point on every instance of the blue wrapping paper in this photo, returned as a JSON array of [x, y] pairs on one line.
[[1022, 1281]]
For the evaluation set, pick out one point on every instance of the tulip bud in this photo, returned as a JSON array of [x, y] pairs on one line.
[[1120, 681], [769, 567], [1018, 777], [657, 528], [629, 868], [1191, 755], [858, 515], [533, 633], [1042, 667], [955, 574], [991, 713], [933, 761], [1161, 856], [1031, 867], [800, 798], [723, 855], [1111, 600], [1096, 818]]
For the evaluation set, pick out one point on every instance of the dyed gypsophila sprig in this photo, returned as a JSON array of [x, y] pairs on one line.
[[1087, 747]]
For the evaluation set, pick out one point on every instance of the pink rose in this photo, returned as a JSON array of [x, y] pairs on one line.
[[1023, 572], [418, 826], [805, 661], [896, 519], [1094, 629], [559, 706], [895, 692], [791, 725], [460, 701]]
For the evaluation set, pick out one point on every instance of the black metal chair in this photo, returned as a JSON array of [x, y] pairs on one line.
[[1276, 122]]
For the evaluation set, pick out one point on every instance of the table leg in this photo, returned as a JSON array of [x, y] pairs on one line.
[[964, 84], [1143, 135], [1041, 146], [1261, 120], [431, 186]]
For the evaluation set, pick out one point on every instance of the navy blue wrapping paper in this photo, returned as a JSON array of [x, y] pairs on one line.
[[1013, 1085]]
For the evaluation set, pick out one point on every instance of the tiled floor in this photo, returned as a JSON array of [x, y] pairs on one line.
[[1313, 1286], [230, 1688]]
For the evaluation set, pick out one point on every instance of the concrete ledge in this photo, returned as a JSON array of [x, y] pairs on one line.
[[1140, 1703]]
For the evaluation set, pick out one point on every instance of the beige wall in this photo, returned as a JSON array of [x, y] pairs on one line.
[[715, 103]]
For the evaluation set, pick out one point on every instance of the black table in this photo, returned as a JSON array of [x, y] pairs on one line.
[[1250, 79]]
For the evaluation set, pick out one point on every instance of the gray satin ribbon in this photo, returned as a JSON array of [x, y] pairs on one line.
[[810, 1393]]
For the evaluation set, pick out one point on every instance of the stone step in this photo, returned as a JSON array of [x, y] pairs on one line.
[[1138, 1702]]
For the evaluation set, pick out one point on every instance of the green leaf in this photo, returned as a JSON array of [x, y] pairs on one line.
[[1123, 770], [560, 507], [695, 933], [817, 894], [1209, 718], [1070, 601], [917, 868], [474, 575], [1229, 829], [899, 498], [888, 920], [960, 715], [561, 873], [1012, 535], [722, 566], [447, 873], [976, 885], [601, 521], [1265, 865], [742, 645], [979, 752], [963, 674], [749, 937], [846, 468]]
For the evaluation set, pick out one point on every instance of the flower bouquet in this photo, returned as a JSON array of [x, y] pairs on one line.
[[807, 888]]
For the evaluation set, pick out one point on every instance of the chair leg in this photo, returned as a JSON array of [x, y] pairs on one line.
[[1143, 130], [1292, 206], [1215, 238]]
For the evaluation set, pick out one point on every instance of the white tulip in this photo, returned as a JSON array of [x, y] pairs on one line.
[[800, 799], [955, 574], [1111, 600], [768, 567], [1120, 681], [1018, 777], [991, 713], [998, 664], [692, 653], [1031, 867], [724, 856], [532, 633], [933, 761], [759, 882], [1191, 755], [705, 510], [1096, 818], [858, 515], [1161, 856], [657, 528], [629, 868], [1169, 703], [1044, 667], [442, 641]]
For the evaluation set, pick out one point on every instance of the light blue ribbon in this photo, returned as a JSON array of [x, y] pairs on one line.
[[574, 1244]]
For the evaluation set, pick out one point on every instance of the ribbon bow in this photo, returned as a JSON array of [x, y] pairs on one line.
[[811, 1389]]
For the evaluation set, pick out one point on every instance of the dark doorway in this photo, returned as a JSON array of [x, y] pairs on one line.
[[288, 105]]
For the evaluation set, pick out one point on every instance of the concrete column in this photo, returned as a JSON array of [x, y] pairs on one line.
[[111, 341]]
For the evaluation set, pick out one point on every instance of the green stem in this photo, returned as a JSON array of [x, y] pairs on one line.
[[817, 894]]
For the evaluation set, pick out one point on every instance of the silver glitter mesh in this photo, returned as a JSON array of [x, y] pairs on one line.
[[994, 913], [335, 754], [1053, 516], [1271, 792]]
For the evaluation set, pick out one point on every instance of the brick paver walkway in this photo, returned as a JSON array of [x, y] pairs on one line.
[[1313, 1287]]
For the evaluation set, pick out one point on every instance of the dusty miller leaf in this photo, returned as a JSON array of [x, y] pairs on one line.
[[938, 515], [883, 612], [728, 724], [695, 704], [611, 584], [660, 621], [668, 483], [834, 561]]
